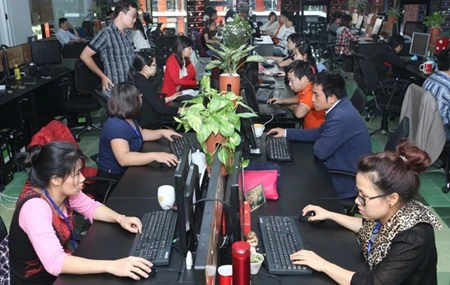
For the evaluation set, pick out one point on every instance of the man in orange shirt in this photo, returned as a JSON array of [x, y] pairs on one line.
[[300, 75]]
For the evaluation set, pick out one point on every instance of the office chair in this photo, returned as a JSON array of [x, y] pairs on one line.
[[387, 95], [359, 100], [163, 49], [83, 101], [318, 38], [357, 72], [335, 61], [3, 229]]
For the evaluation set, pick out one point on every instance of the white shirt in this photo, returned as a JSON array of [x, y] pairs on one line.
[[270, 29], [283, 38], [65, 36]]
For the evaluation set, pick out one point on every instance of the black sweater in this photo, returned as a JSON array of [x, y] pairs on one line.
[[154, 108], [388, 55]]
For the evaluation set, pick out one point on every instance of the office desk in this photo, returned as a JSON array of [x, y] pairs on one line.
[[414, 70], [304, 182], [264, 47]]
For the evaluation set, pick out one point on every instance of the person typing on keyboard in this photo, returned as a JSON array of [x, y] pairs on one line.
[[41, 238], [342, 139], [122, 138], [300, 77], [395, 232]]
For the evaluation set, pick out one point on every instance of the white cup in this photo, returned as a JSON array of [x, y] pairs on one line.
[[199, 159], [258, 129], [166, 196]]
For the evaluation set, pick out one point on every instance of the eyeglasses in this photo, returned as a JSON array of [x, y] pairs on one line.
[[363, 200], [134, 16], [153, 65]]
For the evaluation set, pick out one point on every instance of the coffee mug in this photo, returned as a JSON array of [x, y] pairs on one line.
[[225, 274], [258, 129], [427, 67], [166, 196]]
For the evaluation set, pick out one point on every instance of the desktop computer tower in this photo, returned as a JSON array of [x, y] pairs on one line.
[[6, 159], [18, 144]]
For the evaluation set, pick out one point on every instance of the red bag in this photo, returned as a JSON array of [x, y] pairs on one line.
[[268, 178]]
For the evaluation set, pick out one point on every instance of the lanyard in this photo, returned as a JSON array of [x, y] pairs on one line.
[[61, 214], [373, 236], [137, 133]]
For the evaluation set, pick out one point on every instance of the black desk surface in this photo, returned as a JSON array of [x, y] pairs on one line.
[[303, 182]]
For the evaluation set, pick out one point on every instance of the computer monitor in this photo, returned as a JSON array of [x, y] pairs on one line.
[[181, 174], [234, 196], [211, 234], [377, 27], [249, 144], [359, 22], [395, 29], [46, 52], [419, 44]]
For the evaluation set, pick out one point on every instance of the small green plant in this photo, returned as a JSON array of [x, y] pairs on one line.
[[98, 12], [236, 32], [218, 116], [231, 59], [435, 20], [255, 258], [394, 12]]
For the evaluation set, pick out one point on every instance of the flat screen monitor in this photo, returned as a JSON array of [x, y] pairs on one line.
[[252, 72], [377, 27], [247, 135], [45, 52], [234, 196], [181, 174], [419, 44], [359, 22], [211, 234]]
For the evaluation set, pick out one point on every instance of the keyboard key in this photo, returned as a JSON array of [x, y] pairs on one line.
[[278, 149]]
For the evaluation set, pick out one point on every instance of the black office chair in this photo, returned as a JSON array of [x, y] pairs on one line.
[[3, 229], [164, 46], [318, 38], [82, 101], [357, 72], [335, 61], [387, 95], [359, 100], [401, 132]]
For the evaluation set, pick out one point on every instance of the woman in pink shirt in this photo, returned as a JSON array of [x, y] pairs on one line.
[[41, 235]]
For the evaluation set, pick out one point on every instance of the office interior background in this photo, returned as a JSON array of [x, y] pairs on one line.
[[32, 17]]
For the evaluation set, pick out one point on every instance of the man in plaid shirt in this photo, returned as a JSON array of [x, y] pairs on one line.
[[344, 36]]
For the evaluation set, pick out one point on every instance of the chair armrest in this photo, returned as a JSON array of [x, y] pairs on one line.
[[94, 157], [95, 178], [341, 172]]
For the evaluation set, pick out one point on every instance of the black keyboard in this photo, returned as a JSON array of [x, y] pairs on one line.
[[281, 238], [29, 81], [177, 145], [278, 149], [48, 72], [155, 242], [264, 94], [270, 109]]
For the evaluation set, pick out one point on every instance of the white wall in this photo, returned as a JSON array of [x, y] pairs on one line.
[[4, 31], [18, 25]]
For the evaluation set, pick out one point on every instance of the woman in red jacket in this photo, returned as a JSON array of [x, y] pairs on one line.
[[180, 72]]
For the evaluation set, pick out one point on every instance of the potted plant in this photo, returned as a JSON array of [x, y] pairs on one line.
[[434, 22], [236, 32], [217, 125], [98, 16], [229, 60], [393, 16], [256, 259]]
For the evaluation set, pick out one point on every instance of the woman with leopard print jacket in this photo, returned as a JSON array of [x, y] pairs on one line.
[[395, 232]]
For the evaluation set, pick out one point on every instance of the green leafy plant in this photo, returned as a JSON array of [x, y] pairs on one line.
[[98, 11], [255, 258], [231, 59], [394, 12], [236, 32], [218, 116], [435, 20]]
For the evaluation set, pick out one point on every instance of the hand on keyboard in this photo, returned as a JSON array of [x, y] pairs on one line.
[[131, 224], [166, 158], [310, 259], [168, 134], [277, 132], [275, 101], [133, 267]]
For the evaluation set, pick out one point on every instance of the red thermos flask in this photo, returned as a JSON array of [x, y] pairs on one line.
[[241, 263]]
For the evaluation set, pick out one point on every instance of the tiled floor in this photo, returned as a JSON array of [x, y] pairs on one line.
[[430, 192]]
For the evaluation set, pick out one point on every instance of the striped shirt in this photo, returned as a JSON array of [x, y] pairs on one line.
[[439, 85], [116, 51]]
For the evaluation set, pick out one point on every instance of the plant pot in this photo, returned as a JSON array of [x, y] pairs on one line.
[[434, 34], [255, 266], [233, 80], [390, 24], [211, 146]]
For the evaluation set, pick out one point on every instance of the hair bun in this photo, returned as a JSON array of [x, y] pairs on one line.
[[416, 159]]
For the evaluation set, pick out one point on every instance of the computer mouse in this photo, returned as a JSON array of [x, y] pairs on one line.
[[152, 273], [306, 217], [165, 166]]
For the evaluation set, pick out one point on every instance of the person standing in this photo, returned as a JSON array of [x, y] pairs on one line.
[[115, 45]]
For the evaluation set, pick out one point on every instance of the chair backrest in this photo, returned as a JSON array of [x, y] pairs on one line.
[[401, 132], [86, 81], [369, 73], [359, 100], [3, 229], [164, 46], [426, 126]]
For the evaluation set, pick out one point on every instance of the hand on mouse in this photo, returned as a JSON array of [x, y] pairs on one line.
[[320, 213], [133, 267], [277, 132], [309, 258]]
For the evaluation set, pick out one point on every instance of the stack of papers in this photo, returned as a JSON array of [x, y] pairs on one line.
[[190, 92]]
